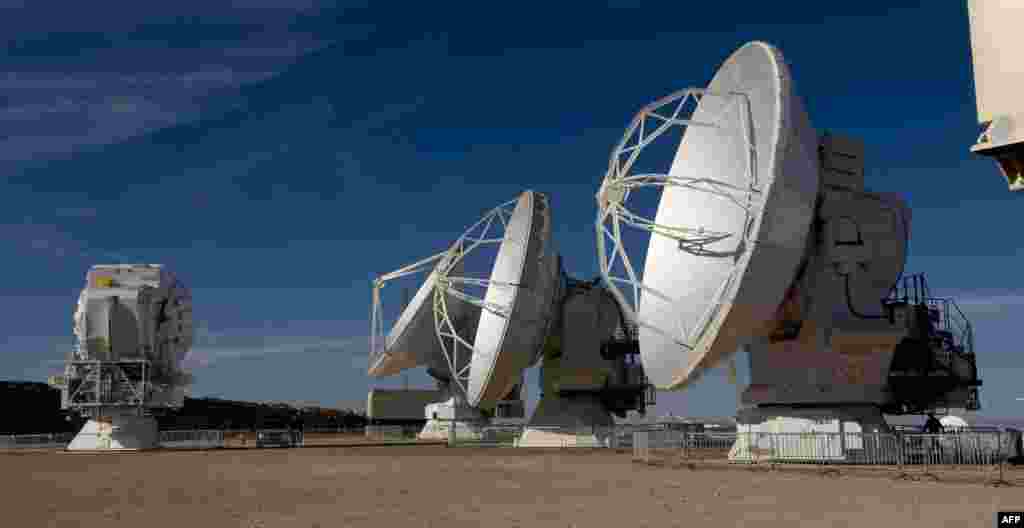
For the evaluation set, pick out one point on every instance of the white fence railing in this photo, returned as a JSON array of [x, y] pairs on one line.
[[977, 449], [196, 439], [36, 441], [614, 437]]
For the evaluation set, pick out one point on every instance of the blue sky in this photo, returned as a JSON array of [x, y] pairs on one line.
[[279, 155]]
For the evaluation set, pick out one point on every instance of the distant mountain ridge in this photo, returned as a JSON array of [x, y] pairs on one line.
[[28, 407]]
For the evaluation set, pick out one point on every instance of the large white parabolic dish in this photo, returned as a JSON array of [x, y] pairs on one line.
[[725, 292], [522, 284]]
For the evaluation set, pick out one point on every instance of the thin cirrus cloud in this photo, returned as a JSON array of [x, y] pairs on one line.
[[86, 111], [215, 348], [289, 49], [211, 348], [204, 78], [991, 303], [86, 124], [92, 82], [38, 14], [980, 307], [38, 238]]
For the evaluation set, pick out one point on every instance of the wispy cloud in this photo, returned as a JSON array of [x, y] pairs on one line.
[[50, 114], [207, 77], [997, 302], [51, 240], [212, 347], [978, 298], [89, 79], [66, 127], [288, 49], [31, 16]]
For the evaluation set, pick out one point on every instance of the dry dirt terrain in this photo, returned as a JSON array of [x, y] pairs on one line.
[[405, 486]]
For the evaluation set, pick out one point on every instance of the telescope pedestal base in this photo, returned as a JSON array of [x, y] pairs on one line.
[[577, 421], [438, 430], [442, 416], [766, 433], [117, 432]]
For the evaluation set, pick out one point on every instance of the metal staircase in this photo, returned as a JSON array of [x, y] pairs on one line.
[[628, 388], [937, 359]]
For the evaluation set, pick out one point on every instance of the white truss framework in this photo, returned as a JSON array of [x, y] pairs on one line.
[[378, 339], [675, 110], [453, 345], [107, 384]]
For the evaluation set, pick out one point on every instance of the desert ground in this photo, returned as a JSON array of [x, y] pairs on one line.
[[404, 486]]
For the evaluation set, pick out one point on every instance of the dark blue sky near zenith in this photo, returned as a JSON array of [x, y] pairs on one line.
[[279, 155]]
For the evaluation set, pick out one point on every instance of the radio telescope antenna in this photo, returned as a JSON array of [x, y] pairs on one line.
[[525, 310], [412, 342], [747, 154], [531, 311], [133, 327], [516, 303], [469, 327], [764, 238]]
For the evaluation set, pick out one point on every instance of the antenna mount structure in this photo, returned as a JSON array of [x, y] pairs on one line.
[[134, 328], [488, 330], [766, 243]]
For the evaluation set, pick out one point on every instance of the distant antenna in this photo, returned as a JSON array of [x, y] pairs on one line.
[[518, 298], [133, 327], [413, 340]]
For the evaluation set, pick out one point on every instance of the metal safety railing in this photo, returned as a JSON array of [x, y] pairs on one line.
[[912, 455], [467, 434], [35, 441], [986, 447], [909, 453], [194, 439], [562, 437]]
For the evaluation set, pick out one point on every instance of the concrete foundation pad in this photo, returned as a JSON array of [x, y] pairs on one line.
[[579, 421], [454, 412], [439, 430], [117, 433]]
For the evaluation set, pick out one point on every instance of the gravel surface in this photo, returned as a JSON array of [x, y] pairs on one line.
[[458, 487]]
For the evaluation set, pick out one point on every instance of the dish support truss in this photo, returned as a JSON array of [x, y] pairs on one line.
[[653, 121], [105, 384], [458, 351]]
